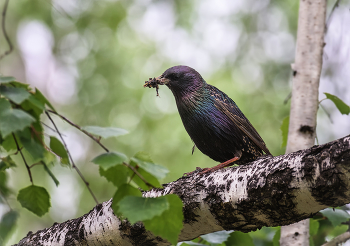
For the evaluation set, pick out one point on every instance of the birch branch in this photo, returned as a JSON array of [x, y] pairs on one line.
[[342, 238], [270, 191]]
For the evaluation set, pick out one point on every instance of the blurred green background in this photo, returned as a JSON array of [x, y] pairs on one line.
[[91, 58]]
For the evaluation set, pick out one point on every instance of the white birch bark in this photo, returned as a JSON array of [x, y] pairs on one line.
[[306, 77], [270, 191]]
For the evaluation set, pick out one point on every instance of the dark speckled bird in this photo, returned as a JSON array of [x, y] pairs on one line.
[[214, 122]]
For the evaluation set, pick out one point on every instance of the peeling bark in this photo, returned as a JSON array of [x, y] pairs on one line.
[[270, 191]]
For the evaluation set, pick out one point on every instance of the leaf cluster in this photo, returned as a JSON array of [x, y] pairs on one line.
[[22, 133]]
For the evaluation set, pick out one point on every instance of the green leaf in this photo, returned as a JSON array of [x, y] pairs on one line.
[[284, 128], [50, 158], [239, 238], [12, 120], [311, 241], [17, 95], [7, 224], [38, 95], [3, 186], [55, 180], [336, 217], [36, 102], [151, 172], [28, 157], [118, 175], [105, 132], [123, 191], [7, 79], [32, 145], [340, 229], [9, 143], [20, 85], [57, 147], [276, 237], [147, 176], [6, 162], [142, 208], [314, 225], [168, 225], [143, 156], [109, 159], [35, 198], [342, 107], [143, 160], [33, 107]]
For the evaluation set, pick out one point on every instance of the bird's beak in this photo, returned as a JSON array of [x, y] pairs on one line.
[[162, 81], [155, 82]]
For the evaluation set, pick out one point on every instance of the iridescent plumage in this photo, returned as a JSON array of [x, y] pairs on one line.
[[213, 120]]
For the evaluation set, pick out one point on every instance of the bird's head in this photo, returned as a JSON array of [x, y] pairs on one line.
[[181, 79]]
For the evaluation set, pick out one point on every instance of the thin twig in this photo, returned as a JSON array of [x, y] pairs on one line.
[[138, 174], [38, 163], [322, 100], [25, 162], [80, 129], [328, 114], [97, 140], [287, 98], [4, 31], [50, 128], [71, 159], [316, 139], [342, 238]]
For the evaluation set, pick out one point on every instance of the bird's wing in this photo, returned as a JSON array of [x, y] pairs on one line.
[[242, 123]]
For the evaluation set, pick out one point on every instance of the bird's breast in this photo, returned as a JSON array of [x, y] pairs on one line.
[[209, 128]]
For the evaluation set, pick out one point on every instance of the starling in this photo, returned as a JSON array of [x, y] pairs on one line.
[[214, 122]]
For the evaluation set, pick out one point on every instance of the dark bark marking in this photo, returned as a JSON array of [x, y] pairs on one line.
[[275, 198], [189, 212], [103, 228], [73, 235], [99, 209], [306, 129], [228, 185], [329, 188], [136, 234]]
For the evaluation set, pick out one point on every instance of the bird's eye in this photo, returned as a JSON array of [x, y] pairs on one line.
[[173, 76]]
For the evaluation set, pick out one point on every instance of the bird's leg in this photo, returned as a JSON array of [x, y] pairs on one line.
[[198, 170], [221, 165]]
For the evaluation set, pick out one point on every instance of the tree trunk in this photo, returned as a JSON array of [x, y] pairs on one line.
[[306, 77], [270, 191]]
